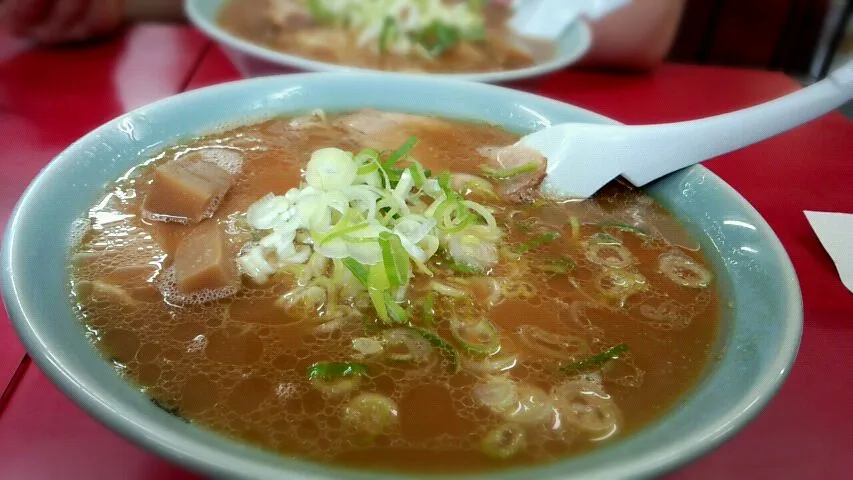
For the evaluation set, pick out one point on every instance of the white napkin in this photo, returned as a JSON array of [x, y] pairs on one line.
[[835, 232], [548, 19]]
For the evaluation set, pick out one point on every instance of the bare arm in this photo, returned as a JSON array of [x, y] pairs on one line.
[[635, 37], [62, 21], [154, 10]]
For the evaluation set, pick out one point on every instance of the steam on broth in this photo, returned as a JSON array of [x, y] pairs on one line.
[[440, 36], [390, 291]]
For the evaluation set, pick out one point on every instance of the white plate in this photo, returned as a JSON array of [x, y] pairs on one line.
[[255, 60]]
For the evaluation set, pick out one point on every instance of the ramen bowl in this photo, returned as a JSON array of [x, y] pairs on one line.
[[761, 305], [253, 60]]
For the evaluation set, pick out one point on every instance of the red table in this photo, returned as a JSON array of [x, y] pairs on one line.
[[50, 98]]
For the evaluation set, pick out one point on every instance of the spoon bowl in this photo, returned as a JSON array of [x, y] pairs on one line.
[[582, 158]]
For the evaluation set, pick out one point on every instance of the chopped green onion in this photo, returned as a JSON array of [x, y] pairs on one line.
[[562, 265], [504, 173], [476, 33], [447, 350], [419, 175], [318, 11], [437, 38], [525, 225], [367, 155], [447, 290], [597, 360], [444, 184], [477, 5], [480, 338], [463, 269], [624, 227], [389, 29], [604, 239], [429, 309], [535, 242], [358, 270], [397, 313], [378, 299], [395, 258], [367, 168], [342, 231], [377, 284], [367, 161], [453, 216], [504, 441], [401, 152], [335, 370], [575, 223]]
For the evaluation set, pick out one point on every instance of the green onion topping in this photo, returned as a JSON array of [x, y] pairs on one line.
[[358, 270], [447, 350], [505, 173], [610, 354], [323, 370], [623, 227], [429, 309], [535, 242], [395, 259]]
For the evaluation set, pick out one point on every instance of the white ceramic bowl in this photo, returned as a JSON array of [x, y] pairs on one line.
[[254, 60]]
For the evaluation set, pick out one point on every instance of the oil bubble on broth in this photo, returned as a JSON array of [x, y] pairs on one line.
[[415, 306]]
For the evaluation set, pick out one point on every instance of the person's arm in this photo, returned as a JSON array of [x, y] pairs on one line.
[[61, 21], [154, 10], [635, 37]]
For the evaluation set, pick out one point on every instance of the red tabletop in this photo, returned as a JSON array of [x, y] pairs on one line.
[[48, 98]]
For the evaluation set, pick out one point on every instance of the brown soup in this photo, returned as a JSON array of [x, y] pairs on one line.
[[533, 331], [298, 31]]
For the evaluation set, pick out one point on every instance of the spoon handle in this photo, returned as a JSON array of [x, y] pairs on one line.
[[660, 149]]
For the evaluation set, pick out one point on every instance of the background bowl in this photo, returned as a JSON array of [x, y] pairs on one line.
[[758, 340], [254, 60]]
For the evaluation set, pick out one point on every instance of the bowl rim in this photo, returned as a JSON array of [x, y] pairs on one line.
[[212, 30], [177, 448]]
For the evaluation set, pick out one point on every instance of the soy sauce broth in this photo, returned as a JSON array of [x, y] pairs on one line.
[[501, 49], [238, 366]]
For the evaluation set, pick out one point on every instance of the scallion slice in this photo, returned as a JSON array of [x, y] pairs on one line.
[[595, 361], [463, 269], [505, 173], [389, 30], [377, 284], [400, 153], [602, 238], [561, 265], [397, 313], [419, 174], [453, 216], [438, 37], [323, 370], [395, 259], [429, 309], [623, 227], [480, 337], [446, 348], [535, 242], [359, 271]]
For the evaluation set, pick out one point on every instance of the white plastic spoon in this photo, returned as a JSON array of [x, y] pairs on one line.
[[548, 19], [582, 158]]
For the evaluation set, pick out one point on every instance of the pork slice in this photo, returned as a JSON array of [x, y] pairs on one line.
[[522, 187], [288, 14], [203, 261], [186, 190], [384, 130]]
